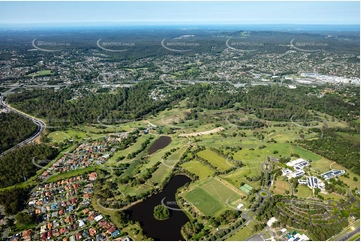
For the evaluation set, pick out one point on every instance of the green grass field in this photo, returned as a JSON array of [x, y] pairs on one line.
[[239, 175], [211, 196], [215, 159], [284, 149], [205, 202], [42, 73], [303, 191], [136, 146], [71, 174], [160, 173], [134, 191], [59, 136], [198, 169]]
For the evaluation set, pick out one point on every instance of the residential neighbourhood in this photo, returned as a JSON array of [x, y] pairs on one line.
[[67, 214], [85, 155]]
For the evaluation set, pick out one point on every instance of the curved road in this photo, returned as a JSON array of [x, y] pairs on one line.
[[40, 125]]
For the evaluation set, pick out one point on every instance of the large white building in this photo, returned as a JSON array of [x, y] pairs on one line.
[[298, 164], [292, 174], [312, 182], [332, 173]]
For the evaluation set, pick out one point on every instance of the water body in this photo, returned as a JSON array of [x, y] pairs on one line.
[[160, 143], [160, 230]]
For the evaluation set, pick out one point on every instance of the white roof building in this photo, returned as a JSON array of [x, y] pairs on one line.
[[271, 221], [81, 223], [299, 237], [332, 173], [98, 218], [300, 163], [312, 182], [240, 205]]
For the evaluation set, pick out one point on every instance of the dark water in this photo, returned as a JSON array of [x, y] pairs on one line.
[[168, 229], [160, 143]]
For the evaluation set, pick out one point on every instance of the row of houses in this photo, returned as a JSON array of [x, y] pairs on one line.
[[84, 155]]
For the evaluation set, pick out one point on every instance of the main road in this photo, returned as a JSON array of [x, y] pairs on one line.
[[39, 123]]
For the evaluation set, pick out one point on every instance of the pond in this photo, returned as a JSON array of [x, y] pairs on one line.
[[160, 143], [169, 229]]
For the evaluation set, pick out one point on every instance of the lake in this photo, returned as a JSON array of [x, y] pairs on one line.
[[170, 228]]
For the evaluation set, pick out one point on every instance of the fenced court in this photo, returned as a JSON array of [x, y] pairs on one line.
[[246, 188]]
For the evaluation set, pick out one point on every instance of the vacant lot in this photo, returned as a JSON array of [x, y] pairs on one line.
[[281, 187], [215, 159]]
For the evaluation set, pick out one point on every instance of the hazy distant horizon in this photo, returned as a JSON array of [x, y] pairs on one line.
[[179, 13]]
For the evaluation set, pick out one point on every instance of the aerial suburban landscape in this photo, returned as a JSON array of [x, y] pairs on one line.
[[168, 132]]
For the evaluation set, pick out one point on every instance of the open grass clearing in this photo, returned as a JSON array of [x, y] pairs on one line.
[[71, 174], [198, 169], [303, 191], [60, 136], [215, 159], [166, 167], [127, 189], [239, 175], [279, 187], [41, 73], [136, 146]]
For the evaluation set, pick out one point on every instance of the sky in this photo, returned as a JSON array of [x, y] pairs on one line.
[[168, 12]]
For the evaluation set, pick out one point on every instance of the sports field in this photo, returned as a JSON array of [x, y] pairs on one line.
[[198, 169], [211, 196], [215, 159], [42, 73]]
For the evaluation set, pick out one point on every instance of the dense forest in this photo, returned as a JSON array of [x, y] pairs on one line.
[[127, 103], [17, 166], [340, 145], [14, 200], [277, 103], [266, 102], [161, 212], [14, 129]]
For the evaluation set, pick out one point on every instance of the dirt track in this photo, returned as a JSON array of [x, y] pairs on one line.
[[202, 133]]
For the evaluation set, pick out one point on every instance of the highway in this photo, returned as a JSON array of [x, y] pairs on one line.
[[40, 124]]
